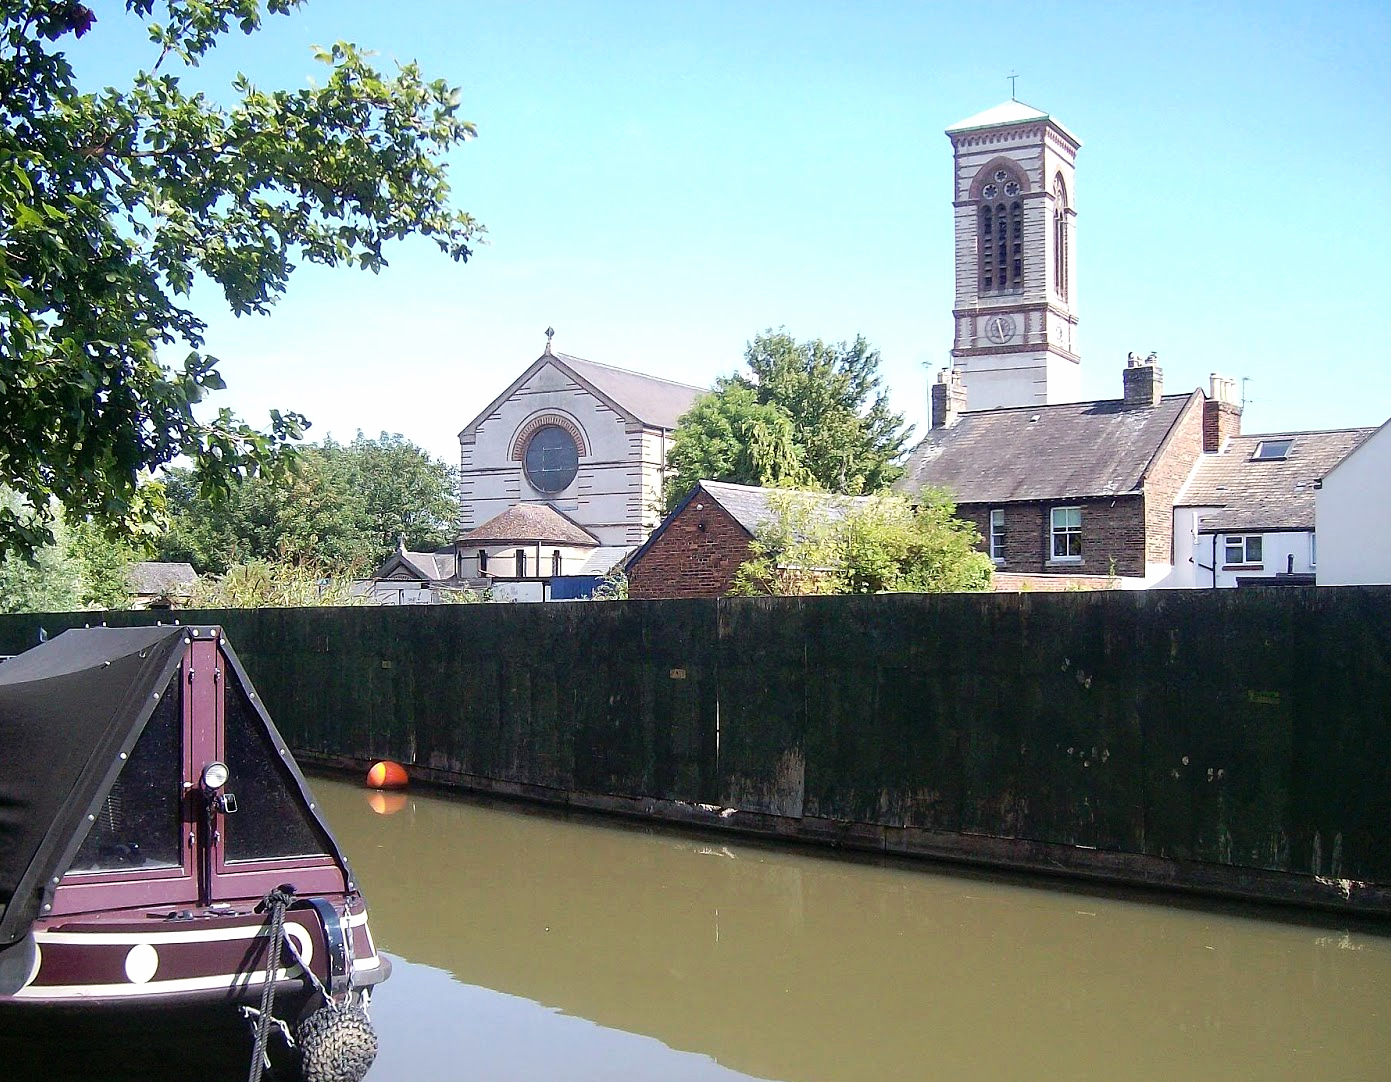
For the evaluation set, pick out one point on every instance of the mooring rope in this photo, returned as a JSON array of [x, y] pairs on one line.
[[276, 903]]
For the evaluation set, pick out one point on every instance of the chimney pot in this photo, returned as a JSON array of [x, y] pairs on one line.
[[1143, 381]]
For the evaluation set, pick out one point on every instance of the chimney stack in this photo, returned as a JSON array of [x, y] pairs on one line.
[[1144, 381], [1221, 414], [948, 398]]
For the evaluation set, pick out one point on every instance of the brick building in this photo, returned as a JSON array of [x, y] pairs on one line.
[[1078, 488], [697, 549]]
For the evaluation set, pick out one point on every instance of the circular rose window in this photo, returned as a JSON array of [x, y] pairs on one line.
[[552, 459]]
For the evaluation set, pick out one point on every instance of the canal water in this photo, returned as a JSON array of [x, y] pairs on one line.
[[531, 946]]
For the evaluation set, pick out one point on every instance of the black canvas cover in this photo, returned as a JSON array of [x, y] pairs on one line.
[[69, 709]]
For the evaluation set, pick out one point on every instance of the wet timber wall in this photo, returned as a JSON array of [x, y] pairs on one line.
[[1232, 741]]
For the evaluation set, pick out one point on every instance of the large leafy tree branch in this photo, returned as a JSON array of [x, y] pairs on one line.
[[806, 415], [112, 204]]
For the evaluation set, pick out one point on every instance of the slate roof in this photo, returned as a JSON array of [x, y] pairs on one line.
[[150, 578], [654, 402], [1267, 494], [531, 522], [748, 505], [1009, 112], [437, 566], [1065, 451]]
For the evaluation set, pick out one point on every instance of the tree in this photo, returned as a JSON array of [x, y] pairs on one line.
[[112, 204], [809, 414], [817, 544], [339, 506], [80, 568]]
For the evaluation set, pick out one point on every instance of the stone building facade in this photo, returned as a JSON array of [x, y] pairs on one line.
[[1015, 206], [586, 439]]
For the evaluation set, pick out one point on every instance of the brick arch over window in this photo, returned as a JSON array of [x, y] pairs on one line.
[[541, 420], [999, 190], [987, 172]]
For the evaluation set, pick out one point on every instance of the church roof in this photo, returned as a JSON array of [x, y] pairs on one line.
[[1267, 493], [1029, 453], [649, 400], [653, 401], [531, 522], [1006, 113]]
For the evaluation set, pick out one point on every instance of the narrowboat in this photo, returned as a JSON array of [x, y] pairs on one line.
[[162, 857]]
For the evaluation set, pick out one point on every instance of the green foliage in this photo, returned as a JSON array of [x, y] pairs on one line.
[[262, 584], [113, 203], [613, 588], [808, 415], [80, 568], [340, 506], [817, 544]]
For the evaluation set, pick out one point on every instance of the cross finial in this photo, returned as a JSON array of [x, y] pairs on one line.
[[1012, 76], [550, 333]]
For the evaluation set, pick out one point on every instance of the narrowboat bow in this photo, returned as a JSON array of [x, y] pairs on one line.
[[159, 848]]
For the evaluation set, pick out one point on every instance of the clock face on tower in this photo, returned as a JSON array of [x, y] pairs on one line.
[[1000, 328]]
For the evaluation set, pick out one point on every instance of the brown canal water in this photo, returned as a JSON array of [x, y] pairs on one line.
[[531, 946]]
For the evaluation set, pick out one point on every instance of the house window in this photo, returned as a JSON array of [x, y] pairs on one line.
[[555, 563], [1243, 549], [552, 459], [997, 535], [1067, 533], [521, 563], [1313, 550], [1271, 450], [482, 560]]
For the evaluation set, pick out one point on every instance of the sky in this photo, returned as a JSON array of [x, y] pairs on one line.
[[661, 182]]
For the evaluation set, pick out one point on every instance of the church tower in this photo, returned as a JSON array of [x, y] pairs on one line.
[[1016, 298]]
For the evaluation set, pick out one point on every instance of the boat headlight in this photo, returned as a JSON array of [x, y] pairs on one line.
[[214, 775]]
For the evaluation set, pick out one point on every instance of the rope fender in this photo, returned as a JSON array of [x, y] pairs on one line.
[[336, 1043]]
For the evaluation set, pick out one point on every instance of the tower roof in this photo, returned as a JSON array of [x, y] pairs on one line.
[[1004, 114]]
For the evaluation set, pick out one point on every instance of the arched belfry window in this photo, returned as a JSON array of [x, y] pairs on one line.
[[1061, 254], [1000, 217]]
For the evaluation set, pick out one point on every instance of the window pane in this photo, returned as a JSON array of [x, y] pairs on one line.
[[1234, 551], [271, 819], [141, 823], [1253, 550]]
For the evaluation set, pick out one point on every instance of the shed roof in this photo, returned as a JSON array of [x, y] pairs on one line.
[[1254, 494], [1029, 453], [155, 578]]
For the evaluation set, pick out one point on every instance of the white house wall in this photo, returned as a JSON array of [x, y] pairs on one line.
[[1194, 551], [1354, 516], [616, 492]]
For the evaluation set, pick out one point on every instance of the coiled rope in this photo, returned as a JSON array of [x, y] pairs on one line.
[[276, 902]]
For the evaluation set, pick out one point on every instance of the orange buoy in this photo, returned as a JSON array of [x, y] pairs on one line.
[[387, 775], [386, 803]]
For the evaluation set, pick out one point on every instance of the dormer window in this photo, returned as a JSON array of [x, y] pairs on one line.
[[1272, 450]]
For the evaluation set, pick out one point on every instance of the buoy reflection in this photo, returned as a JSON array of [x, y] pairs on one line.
[[386, 803]]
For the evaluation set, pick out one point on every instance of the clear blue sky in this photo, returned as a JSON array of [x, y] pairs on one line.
[[662, 181]]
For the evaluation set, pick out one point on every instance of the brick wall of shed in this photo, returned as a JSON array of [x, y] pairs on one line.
[[1166, 477], [1111, 530], [688, 561]]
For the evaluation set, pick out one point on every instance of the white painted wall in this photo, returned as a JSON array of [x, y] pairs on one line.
[[1354, 516], [1193, 554], [616, 494]]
